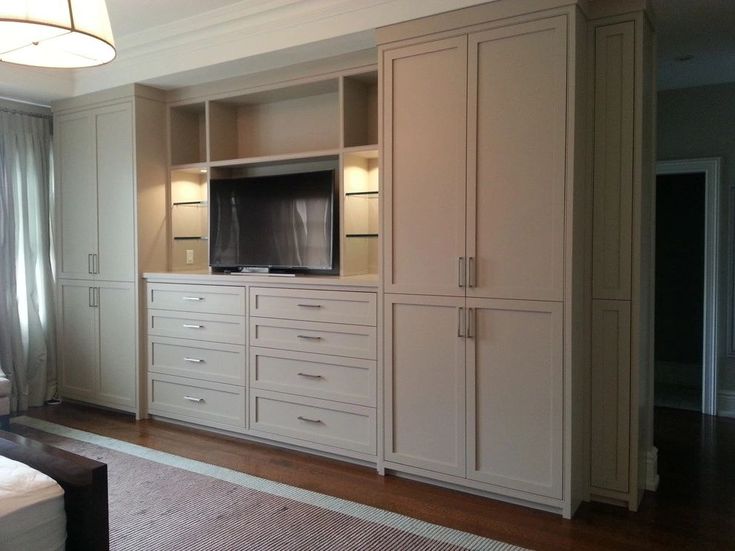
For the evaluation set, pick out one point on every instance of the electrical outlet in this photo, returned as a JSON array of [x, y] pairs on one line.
[[190, 256]]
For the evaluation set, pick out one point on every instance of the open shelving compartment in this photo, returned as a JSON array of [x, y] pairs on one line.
[[188, 133], [189, 218], [360, 110], [296, 119], [360, 228]]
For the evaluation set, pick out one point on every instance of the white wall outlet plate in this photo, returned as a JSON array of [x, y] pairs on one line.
[[190, 256]]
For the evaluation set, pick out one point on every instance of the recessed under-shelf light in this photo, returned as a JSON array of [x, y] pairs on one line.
[[203, 170]]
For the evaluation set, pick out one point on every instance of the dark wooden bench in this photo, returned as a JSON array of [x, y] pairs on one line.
[[85, 488]]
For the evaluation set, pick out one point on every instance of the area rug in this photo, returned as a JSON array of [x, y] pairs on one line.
[[162, 502]]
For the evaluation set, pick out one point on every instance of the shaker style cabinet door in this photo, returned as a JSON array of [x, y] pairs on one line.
[[117, 343], [515, 394], [424, 156], [77, 339], [115, 193], [76, 195], [425, 382], [516, 164]]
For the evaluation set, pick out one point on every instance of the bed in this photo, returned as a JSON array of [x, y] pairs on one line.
[[72, 497]]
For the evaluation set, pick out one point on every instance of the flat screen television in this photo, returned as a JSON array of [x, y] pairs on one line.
[[282, 223]]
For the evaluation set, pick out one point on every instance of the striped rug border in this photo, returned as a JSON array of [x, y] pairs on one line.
[[338, 505]]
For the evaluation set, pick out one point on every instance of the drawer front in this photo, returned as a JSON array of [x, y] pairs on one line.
[[353, 341], [197, 401], [224, 363], [207, 299], [322, 306], [328, 423], [329, 377], [204, 327]]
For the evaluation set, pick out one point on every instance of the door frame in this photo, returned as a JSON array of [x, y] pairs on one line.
[[710, 167]]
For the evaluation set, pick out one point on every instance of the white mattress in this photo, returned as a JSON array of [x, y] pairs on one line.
[[31, 509]]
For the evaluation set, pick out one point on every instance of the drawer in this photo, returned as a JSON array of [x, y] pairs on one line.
[[209, 299], [204, 327], [353, 341], [323, 306], [328, 377], [207, 403], [224, 363], [311, 420]]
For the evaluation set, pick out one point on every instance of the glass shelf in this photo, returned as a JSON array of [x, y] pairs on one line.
[[190, 237], [190, 204], [362, 235], [361, 193]]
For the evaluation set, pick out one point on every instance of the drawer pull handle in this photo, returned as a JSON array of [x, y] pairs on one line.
[[194, 360], [195, 299], [310, 376], [309, 305], [309, 337], [306, 419], [192, 326], [194, 399]]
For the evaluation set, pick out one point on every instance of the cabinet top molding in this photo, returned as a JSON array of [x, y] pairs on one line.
[[498, 10]]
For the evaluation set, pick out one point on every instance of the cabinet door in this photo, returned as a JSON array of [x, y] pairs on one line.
[[425, 383], [116, 193], [424, 110], [76, 195], [515, 394], [77, 339], [117, 343], [516, 164]]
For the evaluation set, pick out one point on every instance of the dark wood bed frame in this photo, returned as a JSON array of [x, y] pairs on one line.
[[85, 488]]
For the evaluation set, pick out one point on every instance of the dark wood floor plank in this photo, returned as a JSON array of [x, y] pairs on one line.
[[693, 509]]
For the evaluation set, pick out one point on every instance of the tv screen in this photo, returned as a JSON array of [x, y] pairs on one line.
[[286, 222]]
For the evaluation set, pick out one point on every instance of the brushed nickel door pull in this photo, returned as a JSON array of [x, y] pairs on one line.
[[306, 419], [470, 323], [308, 337], [194, 360], [192, 326], [310, 376], [194, 399], [460, 322], [89, 264], [193, 299], [309, 305], [460, 272], [471, 267]]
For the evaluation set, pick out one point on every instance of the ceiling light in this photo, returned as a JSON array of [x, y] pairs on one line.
[[56, 33]]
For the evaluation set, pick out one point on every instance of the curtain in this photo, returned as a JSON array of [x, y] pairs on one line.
[[27, 324]]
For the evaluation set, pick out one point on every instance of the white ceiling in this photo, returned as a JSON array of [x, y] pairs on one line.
[[172, 43]]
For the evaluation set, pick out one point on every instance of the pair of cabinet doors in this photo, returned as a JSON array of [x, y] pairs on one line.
[[96, 194], [475, 159]]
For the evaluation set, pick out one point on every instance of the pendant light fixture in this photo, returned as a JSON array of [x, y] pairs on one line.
[[55, 33]]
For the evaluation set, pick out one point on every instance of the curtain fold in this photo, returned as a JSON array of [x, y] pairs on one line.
[[27, 321]]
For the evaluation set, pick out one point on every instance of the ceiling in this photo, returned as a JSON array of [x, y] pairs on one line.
[[173, 43]]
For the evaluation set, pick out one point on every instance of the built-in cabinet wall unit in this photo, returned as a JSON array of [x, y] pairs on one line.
[[489, 327], [487, 279], [110, 191]]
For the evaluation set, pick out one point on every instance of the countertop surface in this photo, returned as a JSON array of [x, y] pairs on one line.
[[369, 281]]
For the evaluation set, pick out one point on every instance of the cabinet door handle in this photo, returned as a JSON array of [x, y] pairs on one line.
[[460, 321], [89, 264], [194, 299], [308, 337], [95, 264], [192, 326], [194, 360], [315, 421], [194, 399], [310, 376], [90, 298], [470, 323], [309, 305], [460, 271], [471, 271], [97, 297]]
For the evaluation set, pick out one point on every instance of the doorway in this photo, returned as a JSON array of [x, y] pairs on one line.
[[687, 199]]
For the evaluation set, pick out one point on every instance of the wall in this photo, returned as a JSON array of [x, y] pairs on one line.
[[695, 123]]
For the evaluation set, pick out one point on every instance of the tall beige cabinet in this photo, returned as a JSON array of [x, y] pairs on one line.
[[480, 171], [110, 191]]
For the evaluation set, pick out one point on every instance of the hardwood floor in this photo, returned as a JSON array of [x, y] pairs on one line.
[[693, 509]]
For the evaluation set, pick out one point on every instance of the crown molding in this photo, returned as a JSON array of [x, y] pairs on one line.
[[232, 38]]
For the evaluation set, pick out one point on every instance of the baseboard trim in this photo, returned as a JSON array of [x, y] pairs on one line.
[[652, 478], [726, 403]]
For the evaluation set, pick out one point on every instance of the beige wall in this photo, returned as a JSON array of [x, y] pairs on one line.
[[700, 122]]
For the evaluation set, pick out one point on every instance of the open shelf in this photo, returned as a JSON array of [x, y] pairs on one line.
[[281, 159], [275, 122], [187, 127], [361, 193], [360, 109], [361, 235], [190, 204]]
